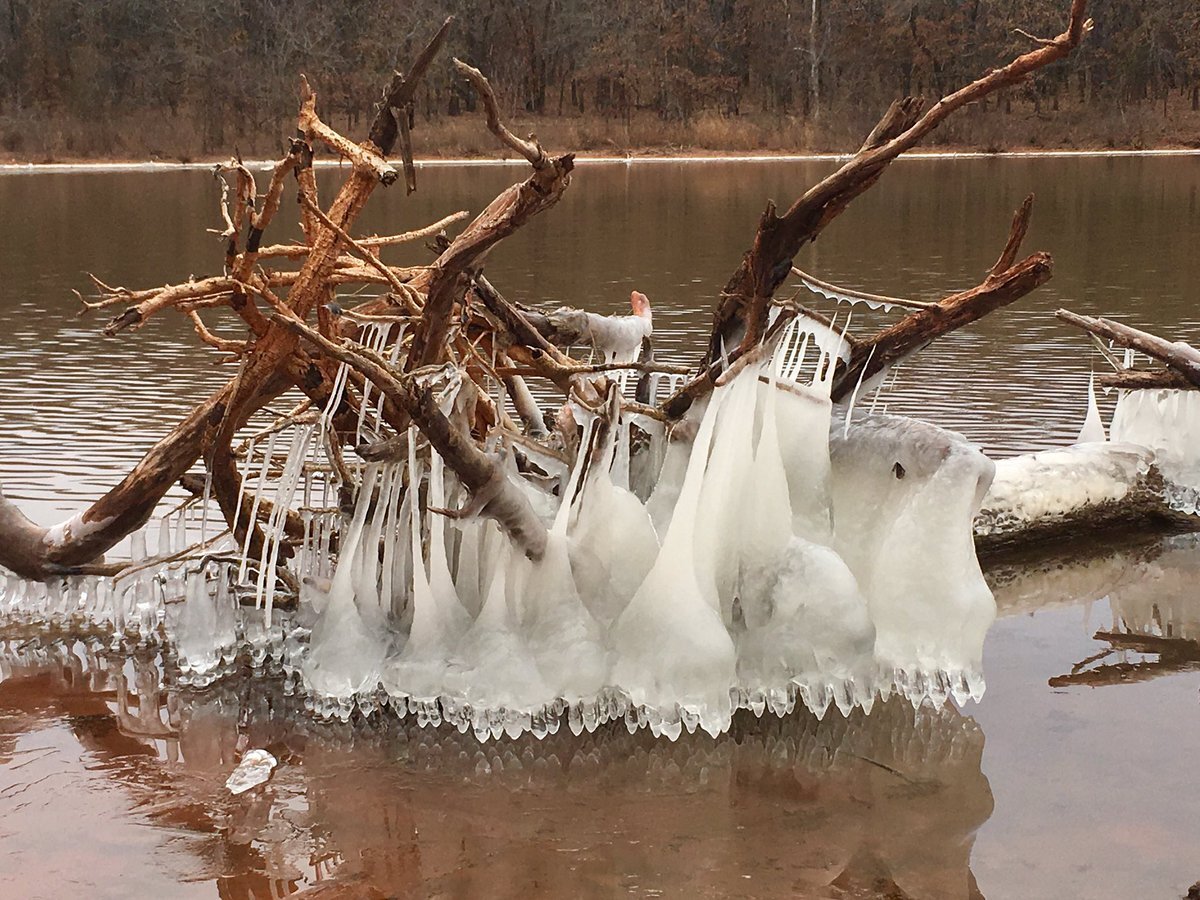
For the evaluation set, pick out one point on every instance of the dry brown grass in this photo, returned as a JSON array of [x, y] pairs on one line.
[[151, 135]]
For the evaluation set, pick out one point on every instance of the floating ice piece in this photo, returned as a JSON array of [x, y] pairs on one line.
[[254, 769]]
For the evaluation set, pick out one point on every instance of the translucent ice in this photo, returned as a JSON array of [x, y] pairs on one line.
[[254, 769]]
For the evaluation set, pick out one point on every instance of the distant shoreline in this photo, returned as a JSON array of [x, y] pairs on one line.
[[113, 165]]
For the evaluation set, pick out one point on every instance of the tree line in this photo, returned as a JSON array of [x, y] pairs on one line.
[[206, 73]]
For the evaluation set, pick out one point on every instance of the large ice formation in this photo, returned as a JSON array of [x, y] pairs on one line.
[[1168, 422], [769, 552]]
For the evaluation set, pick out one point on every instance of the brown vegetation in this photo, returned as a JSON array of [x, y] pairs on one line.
[[180, 79]]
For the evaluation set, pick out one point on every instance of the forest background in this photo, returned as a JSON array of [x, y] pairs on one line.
[[191, 79]]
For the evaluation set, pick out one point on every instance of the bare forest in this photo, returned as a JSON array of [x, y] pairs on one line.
[[188, 79]]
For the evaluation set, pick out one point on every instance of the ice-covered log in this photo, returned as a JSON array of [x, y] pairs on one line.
[[1055, 495]]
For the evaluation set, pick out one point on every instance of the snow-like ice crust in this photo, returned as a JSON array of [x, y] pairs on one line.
[[779, 556], [1151, 431], [1056, 483]]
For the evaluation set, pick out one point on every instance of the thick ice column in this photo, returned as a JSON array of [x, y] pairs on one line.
[[612, 542], [439, 620], [674, 657], [198, 640], [818, 636], [566, 641], [493, 669], [345, 654], [904, 495]]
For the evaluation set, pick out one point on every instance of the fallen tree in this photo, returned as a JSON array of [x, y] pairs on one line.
[[448, 311], [494, 529]]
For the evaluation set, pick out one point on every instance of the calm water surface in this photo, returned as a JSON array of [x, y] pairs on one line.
[[1069, 780]]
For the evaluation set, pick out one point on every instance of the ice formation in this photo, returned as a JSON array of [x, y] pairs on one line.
[[1093, 425], [1055, 484], [769, 552], [1168, 422], [1148, 465], [254, 769]]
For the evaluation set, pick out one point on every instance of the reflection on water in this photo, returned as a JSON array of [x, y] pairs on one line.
[[841, 807], [1154, 626]]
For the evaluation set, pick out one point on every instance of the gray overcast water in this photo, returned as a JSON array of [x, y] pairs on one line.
[[1078, 790]]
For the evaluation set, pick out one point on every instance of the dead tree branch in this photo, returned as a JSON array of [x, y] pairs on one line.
[[445, 282], [874, 355], [1182, 359], [493, 494], [740, 317]]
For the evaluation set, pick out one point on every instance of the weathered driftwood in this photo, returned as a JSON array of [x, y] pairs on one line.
[[37, 552], [1182, 360]]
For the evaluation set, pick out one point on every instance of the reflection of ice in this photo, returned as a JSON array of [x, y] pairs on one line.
[[889, 801], [1154, 626]]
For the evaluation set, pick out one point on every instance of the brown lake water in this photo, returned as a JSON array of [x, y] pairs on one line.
[[111, 782]]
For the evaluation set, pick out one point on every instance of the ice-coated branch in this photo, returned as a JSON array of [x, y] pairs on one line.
[[833, 290], [494, 495], [1182, 359]]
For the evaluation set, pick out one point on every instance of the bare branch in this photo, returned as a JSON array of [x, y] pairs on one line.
[[295, 251], [364, 158], [529, 149], [1178, 356]]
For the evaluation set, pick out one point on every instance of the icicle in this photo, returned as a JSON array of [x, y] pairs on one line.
[[854, 394], [672, 650], [439, 621], [285, 493], [345, 653], [1093, 428], [263, 475]]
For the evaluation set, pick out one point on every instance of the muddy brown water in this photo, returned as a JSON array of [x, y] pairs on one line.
[[1075, 776]]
